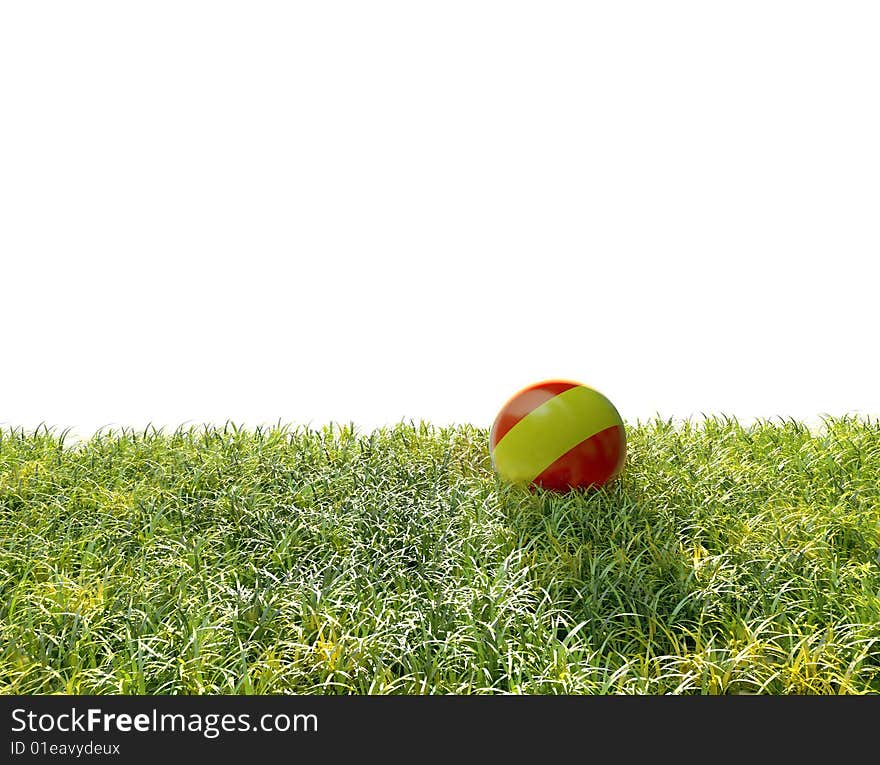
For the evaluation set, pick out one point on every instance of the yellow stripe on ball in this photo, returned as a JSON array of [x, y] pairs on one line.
[[552, 429]]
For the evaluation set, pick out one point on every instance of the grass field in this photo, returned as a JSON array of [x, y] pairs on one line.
[[728, 559]]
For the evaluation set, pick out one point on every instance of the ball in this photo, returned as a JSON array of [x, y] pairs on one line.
[[558, 435]]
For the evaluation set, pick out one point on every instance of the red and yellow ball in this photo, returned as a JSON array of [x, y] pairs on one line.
[[559, 435]]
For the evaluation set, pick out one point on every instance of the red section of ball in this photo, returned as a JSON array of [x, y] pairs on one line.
[[593, 462], [523, 403]]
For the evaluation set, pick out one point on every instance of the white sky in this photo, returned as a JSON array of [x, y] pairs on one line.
[[392, 210]]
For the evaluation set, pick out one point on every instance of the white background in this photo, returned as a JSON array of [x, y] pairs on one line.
[[376, 211]]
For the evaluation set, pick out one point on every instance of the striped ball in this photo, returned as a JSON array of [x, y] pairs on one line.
[[559, 435]]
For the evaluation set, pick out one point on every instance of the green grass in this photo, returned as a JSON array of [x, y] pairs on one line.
[[728, 559]]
